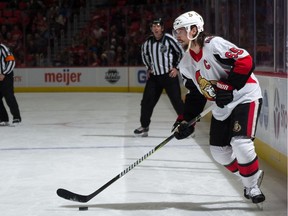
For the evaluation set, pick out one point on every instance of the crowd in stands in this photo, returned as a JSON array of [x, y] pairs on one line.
[[112, 36], [29, 27]]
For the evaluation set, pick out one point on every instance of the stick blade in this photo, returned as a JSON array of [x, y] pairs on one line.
[[65, 194]]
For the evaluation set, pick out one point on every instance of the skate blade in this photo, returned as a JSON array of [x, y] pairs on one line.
[[260, 206]]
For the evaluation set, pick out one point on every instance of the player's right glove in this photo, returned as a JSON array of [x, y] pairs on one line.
[[224, 94], [184, 130]]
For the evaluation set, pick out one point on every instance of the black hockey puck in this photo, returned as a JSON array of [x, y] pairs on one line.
[[83, 208]]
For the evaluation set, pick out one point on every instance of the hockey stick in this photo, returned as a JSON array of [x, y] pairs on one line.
[[85, 198]]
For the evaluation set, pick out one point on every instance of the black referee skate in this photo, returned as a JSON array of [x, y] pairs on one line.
[[16, 122], [141, 131]]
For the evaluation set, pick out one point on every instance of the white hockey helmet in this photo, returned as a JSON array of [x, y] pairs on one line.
[[187, 20]]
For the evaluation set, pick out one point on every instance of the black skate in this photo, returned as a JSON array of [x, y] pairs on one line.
[[141, 131]]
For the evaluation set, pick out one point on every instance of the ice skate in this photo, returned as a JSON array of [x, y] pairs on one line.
[[141, 132], [4, 123], [16, 122], [259, 181], [255, 194]]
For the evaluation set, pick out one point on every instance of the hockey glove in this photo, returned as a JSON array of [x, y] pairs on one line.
[[177, 122], [224, 94], [184, 130]]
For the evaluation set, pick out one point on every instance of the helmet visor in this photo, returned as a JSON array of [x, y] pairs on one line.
[[179, 32]]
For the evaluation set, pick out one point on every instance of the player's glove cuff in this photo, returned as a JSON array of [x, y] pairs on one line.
[[224, 86], [224, 94], [179, 119]]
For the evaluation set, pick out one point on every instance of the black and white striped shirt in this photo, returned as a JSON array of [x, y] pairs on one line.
[[7, 60], [161, 55]]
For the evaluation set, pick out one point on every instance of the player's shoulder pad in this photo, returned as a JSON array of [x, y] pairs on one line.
[[212, 39], [214, 42], [208, 39]]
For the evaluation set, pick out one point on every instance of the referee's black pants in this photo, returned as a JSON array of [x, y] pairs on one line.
[[152, 92], [7, 92], [3, 113]]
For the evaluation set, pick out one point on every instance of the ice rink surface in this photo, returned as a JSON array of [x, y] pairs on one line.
[[80, 141]]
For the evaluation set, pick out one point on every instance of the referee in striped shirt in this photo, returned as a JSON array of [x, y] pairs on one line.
[[7, 64], [161, 54]]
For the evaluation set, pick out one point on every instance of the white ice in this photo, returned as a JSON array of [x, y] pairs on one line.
[[80, 141]]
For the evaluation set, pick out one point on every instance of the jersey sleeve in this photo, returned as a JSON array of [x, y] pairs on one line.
[[9, 60], [146, 55], [177, 50], [239, 59]]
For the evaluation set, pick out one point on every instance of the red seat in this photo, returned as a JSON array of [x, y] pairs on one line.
[[3, 5], [7, 13], [17, 13], [121, 3], [12, 21], [22, 5], [2, 20]]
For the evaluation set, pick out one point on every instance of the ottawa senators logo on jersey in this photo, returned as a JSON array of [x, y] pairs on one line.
[[206, 86], [237, 127]]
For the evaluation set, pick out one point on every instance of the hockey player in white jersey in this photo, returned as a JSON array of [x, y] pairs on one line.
[[223, 73]]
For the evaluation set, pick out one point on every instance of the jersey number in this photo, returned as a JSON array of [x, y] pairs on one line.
[[234, 52]]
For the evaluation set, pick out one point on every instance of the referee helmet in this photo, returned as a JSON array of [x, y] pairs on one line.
[[157, 21]]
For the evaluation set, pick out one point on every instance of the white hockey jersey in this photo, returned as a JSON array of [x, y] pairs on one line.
[[216, 60]]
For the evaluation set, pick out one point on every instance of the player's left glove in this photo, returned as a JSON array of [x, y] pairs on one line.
[[224, 94], [184, 130]]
